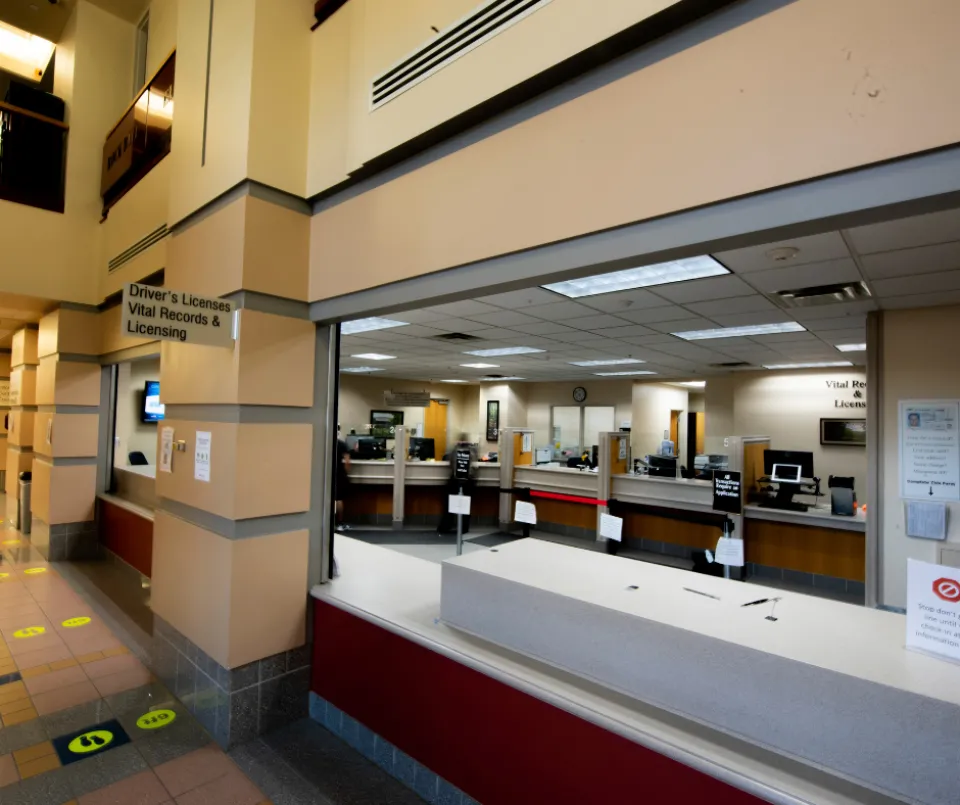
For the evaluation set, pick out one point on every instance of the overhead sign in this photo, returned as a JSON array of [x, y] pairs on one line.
[[727, 492], [407, 399], [933, 609], [167, 315], [930, 450]]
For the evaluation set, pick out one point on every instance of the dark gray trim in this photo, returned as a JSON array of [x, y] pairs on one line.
[[910, 186], [265, 303], [72, 461], [265, 414], [150, 350], [245, 187], [70, 409], [279, 197], [79, 307], [236, 529], [206, 88], [19, 448], [73, 357], [105, 437], [875, 452], [325, 397]]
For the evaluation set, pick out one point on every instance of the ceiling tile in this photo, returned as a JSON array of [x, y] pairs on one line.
[[650, 315], [414, 330], [598, 321], [463, 309], [515, 300], [543, 328], [785, 279], [907, 262], [920, 230], [738, 304], [503, 318], [417, 316], [921, 300], [813, 249], [784, 338], [682, 325], [832, 323], [924, 283], [747, 319], [704, 290], [636, 299], [495, 334], [457, 325], [560, 311], [630, 330], [651, 340]]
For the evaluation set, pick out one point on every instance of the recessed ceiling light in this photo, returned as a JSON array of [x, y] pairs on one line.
[[689, 268], [500, 379], [361, 370], [693, 384], [374, 356], [497, 353], [610, 362], [852, 347], [819, 365], [453, 381], [480, 365], [622, 374], [366, 325], [733, 332]]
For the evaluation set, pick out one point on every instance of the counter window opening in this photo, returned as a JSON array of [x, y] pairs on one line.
[[577, 428]]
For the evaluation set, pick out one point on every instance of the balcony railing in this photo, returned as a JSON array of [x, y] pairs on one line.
[[32, 158]]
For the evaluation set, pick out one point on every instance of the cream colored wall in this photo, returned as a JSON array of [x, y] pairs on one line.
[[541, 397], [865, 94], [652, 404], [919, 360], [513, 408], [697, 402], [718, 412], [163, 33], [131, 433]]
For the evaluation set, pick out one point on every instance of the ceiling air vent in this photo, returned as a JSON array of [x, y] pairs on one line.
[[823, 295], [456, 337], [448, 45], [731, 365]]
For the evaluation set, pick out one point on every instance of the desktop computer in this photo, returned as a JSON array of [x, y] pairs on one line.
[[421, 448], [788, 469], [370, 448], [662, 466]]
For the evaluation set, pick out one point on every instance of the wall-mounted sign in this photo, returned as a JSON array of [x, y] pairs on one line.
[[493, 420], [929, 449], [168, 315], [858, 393], [727, 495], [407, 399], [5, 392], [385, 423]]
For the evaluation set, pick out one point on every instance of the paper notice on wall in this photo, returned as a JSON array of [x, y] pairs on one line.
[[5, 392], [926, 520], [166, 449], [458, 504], [929, 450], [611, 527], [201, 456], [527, 443], [623, 449], [730, 552], [933, 609], [525, 513]]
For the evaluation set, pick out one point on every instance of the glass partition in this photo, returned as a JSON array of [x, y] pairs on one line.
[[566, 432], [597, 419]]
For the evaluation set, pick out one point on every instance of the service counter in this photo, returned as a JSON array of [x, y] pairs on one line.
[[125, 516]]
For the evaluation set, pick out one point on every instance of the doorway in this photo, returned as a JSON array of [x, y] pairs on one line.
[[435, 426]]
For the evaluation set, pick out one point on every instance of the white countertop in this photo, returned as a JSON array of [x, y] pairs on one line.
[[146, 470], [819, 515], [402, 594]]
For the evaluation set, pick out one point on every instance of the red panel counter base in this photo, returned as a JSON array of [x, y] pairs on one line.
[[495, 743]]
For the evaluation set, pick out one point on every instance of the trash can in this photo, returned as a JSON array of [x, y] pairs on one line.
[[23, 503]]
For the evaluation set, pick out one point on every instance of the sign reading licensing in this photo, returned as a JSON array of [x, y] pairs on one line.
[[167, 315]]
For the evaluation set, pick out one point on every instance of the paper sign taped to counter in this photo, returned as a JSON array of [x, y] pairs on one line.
[[458, 504], [611, 527], [525, 513], [166, 449], [201, 456], [730, 552]]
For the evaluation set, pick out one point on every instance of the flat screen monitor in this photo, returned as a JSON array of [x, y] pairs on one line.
[[152, 407], [802, 458], [421, 448], [371, 447], [786, 473], [843, 432], [662, 466]]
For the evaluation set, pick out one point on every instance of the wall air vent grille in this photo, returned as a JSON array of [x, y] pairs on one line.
[[456, 337], [823, 295], [138, 248], [450, 44], [731, 365]]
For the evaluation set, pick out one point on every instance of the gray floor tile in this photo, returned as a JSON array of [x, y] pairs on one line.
[[280, 783], [448, 794], [44, 789], [129, 719], [140, 700], [20, 736], [76, 718], [105, 769], [163, 745]]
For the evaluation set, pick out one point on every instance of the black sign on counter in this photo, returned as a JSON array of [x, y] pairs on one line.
[[461, 464], [727, 492]]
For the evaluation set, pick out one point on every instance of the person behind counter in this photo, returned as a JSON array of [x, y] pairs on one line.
[[342, 480]]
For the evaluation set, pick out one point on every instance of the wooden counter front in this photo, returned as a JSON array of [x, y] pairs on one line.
[[809, 549]]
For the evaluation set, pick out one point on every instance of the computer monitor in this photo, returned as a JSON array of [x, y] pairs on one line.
[[371, 447], [421, 448], [662, 466], [800, 458], [786, 473]]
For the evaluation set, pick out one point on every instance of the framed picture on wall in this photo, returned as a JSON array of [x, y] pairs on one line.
[[384, 423], [493, 420], [851, 432]]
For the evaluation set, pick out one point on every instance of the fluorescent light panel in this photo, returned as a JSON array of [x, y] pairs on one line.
[[22, 53], [689, 268], [609, 362], [622, 374], [367, 325], [693, 384], [818, 365], [480, 365], [852, 347], [500, 379], [749, 330], [374, 356], [453, 381], [497, 353], [361, 370]]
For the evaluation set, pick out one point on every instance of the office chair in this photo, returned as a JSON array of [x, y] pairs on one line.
[[137, 459]]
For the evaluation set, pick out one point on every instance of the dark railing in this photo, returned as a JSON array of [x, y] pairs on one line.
[[32, 158]]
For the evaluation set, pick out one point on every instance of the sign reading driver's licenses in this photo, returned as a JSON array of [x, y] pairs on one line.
[[168, 315]]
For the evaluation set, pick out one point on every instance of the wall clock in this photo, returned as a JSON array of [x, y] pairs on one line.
[[579, 394]]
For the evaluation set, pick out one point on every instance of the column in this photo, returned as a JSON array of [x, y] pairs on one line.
[[236, 547], [66, 428], [4, 412], [23, 407]]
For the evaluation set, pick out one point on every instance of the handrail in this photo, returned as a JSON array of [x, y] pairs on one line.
[[139, 92], [21, 111]]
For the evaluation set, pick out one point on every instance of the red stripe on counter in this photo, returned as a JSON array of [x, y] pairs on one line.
[[569, 498]]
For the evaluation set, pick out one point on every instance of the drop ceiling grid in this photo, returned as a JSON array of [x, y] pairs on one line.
[[910, 259]]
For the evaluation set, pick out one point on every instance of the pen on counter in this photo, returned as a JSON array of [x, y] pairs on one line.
[[759, 601], [705, 595]]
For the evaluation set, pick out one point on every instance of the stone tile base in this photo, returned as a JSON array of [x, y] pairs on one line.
[[71, 541], [828, 583], [393, 760], [234, 705]]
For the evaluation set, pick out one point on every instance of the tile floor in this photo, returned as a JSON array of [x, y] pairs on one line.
[[76, 707]]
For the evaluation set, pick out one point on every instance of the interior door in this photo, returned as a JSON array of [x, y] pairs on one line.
[[435, 427], [675, 431]]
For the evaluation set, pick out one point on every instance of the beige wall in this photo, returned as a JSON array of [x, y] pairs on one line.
[[918, 360], [541, 397], [131, 433], [652, 405], [163, 33], [865, 93]]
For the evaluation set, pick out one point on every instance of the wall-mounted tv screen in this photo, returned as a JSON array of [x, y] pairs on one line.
[[843, 432], [152, 407]]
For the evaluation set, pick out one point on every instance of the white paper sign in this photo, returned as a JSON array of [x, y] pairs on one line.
[[5, 392], [527, 443], [623, 449], [611, 527], [730, 552], [458, 504], [166, 449], [929, 450], [926, 520], [201, 456], [933, 609], [525, 513]]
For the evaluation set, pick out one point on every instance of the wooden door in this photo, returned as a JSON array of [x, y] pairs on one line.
[[675, 431], [435, 427], [701, 431]]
